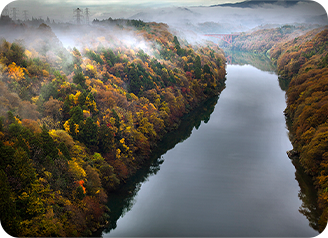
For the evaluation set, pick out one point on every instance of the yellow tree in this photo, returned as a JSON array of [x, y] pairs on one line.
[[15, 72]]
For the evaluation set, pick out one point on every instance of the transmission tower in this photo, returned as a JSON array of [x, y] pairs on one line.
[[25, 15], [78, 15], [87, 16], [14, 10], [5, 12]]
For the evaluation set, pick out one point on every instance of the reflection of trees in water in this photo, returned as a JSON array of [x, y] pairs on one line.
[[307, 195], [121, 201], [284, 83], [259, 61]]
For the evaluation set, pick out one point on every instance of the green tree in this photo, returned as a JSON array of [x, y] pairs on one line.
[[207, 69], [6, 155], [89, 133], [93, 184], [198, 68], [64, 150], [80, 192], [106, 139], [16, 54], [175, 41], [108, 178], [117, 119], [76, 114], [48, 144], [8, 215], [134, 80], [79, 78], [49, 90]]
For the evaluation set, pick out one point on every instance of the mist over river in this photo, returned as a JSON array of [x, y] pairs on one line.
[[224, 172]]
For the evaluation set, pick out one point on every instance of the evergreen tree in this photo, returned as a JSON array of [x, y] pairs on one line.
[[88, 133], [106, 139], [76, 115], [198, 68], [79, 78], [8, 214], [63, 148], [48, 144]]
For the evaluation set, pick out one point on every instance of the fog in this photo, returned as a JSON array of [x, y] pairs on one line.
[[187, 19], [176, 13], [227, 19], [61, 10]]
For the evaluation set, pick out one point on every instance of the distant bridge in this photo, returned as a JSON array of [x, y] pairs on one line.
[[229, 59], [225, 37]]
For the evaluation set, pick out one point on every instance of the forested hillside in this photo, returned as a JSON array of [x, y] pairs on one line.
[[304, 62], [76, 123], [262, 40]]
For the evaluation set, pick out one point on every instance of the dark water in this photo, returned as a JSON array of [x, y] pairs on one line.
[[228, 176]]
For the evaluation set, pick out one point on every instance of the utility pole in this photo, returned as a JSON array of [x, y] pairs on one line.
[[14, 13], [87, 16], [25, 15], [5, 12], [78, 15]]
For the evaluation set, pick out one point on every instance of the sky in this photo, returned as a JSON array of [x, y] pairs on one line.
[[133, 2], [98, 8], [62, 10]]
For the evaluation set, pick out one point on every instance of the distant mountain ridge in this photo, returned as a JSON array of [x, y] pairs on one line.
[[166, 12], [234, 17], [258, 3]]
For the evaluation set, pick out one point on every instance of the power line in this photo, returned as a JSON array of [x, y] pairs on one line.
[[25, 15], [78, 15], [14, 10], [87, 16]]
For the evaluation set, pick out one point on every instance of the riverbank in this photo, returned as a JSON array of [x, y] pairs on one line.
[[302, 64], [123, 198], [230, 170], [300, 55]]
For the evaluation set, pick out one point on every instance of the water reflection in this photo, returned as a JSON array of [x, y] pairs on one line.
[[259, 61], [123, 200], [308, 196], [307, 193]]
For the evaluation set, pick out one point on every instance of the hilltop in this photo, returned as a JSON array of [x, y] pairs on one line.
[[258, 3]]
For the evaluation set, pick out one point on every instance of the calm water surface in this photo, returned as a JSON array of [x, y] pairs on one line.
[[231, 177]]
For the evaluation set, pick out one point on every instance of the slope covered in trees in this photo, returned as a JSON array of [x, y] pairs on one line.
[[262, 40], [303, 62], [77, 123]]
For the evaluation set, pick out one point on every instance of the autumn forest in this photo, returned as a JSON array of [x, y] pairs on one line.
[[77, 121], [76, 124]]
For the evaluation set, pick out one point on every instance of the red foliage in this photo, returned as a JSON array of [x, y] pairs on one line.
[[80, 183]]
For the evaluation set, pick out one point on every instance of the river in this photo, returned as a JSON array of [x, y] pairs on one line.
[[224, 172]]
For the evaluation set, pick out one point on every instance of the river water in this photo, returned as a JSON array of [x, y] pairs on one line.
[[225, 171]]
